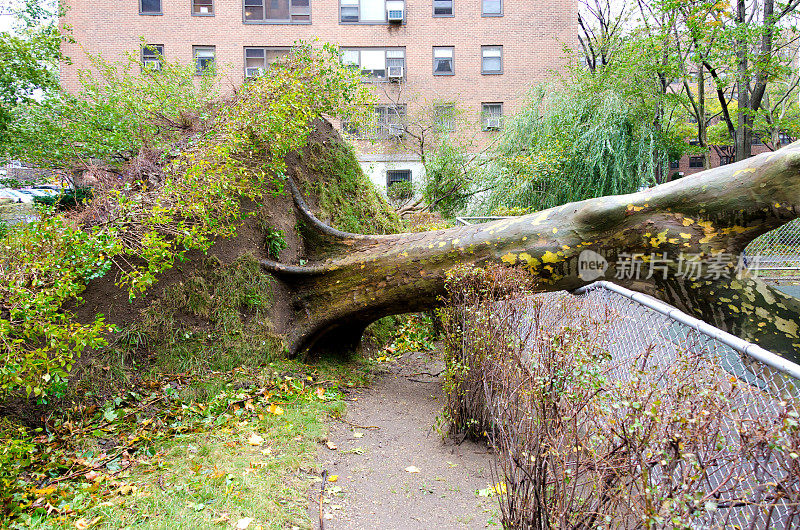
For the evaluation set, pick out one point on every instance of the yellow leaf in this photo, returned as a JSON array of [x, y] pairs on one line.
[[412, 469], [333, 478], [255, 439], [81, 524], [330, 445], [248, 405], [358, 434], [275, 409], [267, 451], [320, 392]]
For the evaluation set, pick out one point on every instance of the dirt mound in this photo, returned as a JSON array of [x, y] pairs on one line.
[[187, 301]]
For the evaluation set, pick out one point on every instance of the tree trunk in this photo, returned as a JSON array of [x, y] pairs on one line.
[[356, 279], [744, 120]]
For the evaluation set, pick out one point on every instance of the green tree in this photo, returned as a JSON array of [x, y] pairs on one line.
[[29, 58]]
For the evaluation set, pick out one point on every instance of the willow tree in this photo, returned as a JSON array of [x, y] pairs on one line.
[[355, 279]]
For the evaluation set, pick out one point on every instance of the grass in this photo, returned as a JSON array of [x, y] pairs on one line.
[[193, 465]]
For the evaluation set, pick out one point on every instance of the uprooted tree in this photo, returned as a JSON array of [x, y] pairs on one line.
[[710, 217], [197, 179]]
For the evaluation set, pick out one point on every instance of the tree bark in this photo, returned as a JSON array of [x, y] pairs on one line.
[[356, 279]]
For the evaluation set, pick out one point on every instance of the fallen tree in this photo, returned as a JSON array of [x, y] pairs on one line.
[[707, 218]]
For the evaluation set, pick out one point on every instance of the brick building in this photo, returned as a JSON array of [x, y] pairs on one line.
[[481, 56]]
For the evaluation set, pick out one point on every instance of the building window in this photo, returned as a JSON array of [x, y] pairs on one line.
[[443, 8], [371, 11], [388, 124], [443, 60], [444, 117], [492, 8], [491, 59], [257, 60], [724, 160], [785, 138], [152, 56], [278, 11], [755, 140], [203, 59], [202, 7], [674, 164], [695, 161], [401, 177], [149, 7], [377, 63], [492, 116]]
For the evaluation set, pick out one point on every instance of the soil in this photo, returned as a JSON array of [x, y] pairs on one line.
[[376, 490]]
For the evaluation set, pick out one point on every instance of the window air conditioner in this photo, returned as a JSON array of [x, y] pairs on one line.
[[395, 72], [254, 71], [395, 15], [152, 64], [395, 11], [394, 130], [493, 123], [204, 10]]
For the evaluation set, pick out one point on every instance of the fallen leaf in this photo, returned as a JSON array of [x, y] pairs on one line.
[[248, 405], [358, 434], [81, 524], [412, 469], [320, 392], [255, 439], [275, 409], [92, 476], [328, 516], [243, 523], [333, 478], [267, 451], [330, 445]]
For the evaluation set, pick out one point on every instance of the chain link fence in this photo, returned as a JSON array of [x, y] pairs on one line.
[[775, 256], [750, 477]]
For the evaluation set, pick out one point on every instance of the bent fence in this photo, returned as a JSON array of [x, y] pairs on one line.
[[610, 409], [749, 477]]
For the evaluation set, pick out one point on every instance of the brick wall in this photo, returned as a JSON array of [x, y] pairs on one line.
[[532, 34]]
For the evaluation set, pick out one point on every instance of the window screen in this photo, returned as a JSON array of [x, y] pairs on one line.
[[202, 7], [295, 11], [492, 7], [443, 60], [492, 116], [492, 59], [203, 58], [150, 6], [152, 56], [442, 8]]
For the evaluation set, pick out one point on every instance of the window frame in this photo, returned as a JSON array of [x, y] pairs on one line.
[[245, 20], [485, 116], [725, 160], [265, 49], [440, 126], [452, 9], [452, 60], [376, 131], [385, 49], [369, 22], [502, 57], [152, 13], [192, 11], [195, 49], [159, 56], [693, 160], [410, 179], [495, 15]]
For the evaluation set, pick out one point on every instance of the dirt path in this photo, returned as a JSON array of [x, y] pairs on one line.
[[374, 490]]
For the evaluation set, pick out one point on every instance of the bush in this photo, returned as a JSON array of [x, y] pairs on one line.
[[585, 440]]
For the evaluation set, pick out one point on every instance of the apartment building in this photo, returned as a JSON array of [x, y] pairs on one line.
[[475, 59]]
